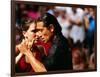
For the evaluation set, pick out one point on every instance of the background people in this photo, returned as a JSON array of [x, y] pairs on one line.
[[76, 31]]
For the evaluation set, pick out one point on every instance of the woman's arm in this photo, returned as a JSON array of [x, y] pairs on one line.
[[18, 58]]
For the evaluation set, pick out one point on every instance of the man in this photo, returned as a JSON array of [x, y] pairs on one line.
[[59, 56]]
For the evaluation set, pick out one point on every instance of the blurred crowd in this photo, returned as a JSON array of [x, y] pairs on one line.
[[78, 26]]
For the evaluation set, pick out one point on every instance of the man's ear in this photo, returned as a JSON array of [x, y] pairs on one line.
[[51, 28]]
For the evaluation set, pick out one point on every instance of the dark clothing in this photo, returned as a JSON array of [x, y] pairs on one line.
[[59, 56], [90, 35]]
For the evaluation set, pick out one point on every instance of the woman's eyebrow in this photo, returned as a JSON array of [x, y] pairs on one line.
[[36, 30]]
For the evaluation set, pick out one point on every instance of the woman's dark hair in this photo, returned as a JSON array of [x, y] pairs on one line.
[[25, 23], [48, 19]]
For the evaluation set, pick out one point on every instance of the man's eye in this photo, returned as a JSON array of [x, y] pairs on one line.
[[41, 30]]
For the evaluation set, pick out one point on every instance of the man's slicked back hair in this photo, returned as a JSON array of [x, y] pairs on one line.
[[48, 19]]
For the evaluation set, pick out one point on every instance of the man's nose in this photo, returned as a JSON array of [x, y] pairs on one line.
[[39, 34]]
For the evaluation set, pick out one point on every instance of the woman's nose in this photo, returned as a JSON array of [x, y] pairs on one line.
[[39, 34]]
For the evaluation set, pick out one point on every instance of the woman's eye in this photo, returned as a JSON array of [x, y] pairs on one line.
[[26, 37], [34, 31]]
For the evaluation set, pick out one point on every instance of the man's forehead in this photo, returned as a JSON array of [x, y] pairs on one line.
[[39, 25]]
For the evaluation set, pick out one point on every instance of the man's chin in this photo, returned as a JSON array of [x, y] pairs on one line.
[[44, 41]]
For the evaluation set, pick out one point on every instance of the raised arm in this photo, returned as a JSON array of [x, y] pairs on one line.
[[36, 65]]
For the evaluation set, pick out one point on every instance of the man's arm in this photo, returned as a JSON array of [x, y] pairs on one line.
[[36, 65], [25, 49]]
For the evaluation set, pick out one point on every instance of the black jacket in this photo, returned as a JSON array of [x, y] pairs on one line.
[[59, 56]]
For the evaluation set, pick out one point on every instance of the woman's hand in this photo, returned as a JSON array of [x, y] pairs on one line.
[[23, 47]]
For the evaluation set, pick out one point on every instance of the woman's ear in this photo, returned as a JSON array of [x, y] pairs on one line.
[[24, 33], [51, 28]]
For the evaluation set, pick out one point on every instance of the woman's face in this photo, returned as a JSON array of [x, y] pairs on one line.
[[30, 34]]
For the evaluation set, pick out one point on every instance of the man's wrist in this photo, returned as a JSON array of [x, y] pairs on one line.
[[28, 53]]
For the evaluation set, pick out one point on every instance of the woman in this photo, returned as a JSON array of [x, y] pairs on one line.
[[27, 51]]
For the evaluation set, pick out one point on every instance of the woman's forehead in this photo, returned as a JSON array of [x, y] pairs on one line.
[[32, 26]]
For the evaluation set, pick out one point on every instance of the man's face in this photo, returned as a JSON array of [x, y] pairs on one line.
[[44, 33], [30, 34]]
